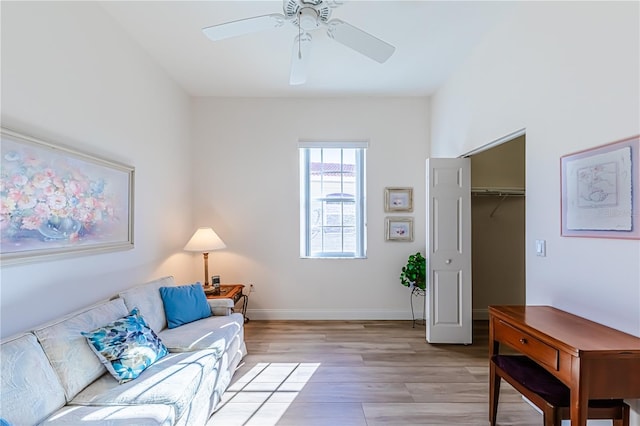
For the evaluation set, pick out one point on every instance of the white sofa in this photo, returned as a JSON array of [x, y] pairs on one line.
[[51, 376]]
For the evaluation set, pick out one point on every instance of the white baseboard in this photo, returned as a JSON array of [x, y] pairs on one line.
[[336, 314], [323, 314]]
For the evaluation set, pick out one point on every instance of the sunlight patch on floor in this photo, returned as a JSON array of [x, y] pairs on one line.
[[263, 394]]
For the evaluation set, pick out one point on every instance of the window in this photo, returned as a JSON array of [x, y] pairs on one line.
[[332, 194]]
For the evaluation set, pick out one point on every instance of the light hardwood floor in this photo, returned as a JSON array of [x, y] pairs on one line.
[[363, 373]]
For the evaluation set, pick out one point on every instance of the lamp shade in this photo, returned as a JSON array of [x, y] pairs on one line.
[[204, 240]]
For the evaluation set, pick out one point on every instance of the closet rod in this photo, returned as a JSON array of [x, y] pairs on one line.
[[503, 193], [498, 191]]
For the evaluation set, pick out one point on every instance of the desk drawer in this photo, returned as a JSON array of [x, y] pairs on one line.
[[526, 344]]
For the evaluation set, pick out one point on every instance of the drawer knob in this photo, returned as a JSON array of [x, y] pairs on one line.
[[523, 341]]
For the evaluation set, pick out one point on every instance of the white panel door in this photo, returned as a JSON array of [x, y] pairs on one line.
[[449, 250]]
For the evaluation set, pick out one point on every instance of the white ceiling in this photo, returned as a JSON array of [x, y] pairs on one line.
[[432, 39]]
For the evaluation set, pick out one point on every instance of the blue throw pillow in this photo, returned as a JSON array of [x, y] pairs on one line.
[[184, 304], [127, 346]]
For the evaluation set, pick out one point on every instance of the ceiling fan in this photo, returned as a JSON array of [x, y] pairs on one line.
[[306, 16]]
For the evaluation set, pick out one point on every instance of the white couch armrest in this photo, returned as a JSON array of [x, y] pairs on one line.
[[221, 307]]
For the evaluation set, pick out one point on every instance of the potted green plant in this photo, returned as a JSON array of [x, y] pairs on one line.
[[414, 273]]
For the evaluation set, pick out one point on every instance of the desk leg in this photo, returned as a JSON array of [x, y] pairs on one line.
[[579, 409], [579, 394], [494, 379], [494, 393]]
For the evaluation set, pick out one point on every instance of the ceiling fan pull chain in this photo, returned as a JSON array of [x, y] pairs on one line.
[[299, 34]]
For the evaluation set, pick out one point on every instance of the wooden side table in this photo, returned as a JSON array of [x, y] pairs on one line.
[[233, 292]]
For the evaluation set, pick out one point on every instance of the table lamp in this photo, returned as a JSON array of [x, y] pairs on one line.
[[205, 240]]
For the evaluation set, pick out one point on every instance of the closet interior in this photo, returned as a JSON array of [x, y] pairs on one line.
[[498, 226]]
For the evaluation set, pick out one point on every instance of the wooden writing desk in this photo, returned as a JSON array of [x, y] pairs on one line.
[[594, 361]]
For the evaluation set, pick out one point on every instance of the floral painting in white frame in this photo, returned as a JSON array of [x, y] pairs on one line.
[[56, 201]]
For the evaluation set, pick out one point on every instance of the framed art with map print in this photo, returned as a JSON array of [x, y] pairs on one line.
[[600, 191]]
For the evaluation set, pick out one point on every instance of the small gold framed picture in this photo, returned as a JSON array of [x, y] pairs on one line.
[[398, 200], [399, 229]]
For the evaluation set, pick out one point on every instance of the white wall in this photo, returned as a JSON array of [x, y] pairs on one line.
[[568, 73], [248, 190], [70, 75]]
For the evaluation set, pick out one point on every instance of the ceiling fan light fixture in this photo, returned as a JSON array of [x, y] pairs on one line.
[[308, 18]]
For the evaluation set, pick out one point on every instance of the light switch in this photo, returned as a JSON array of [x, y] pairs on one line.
[[541, 248]]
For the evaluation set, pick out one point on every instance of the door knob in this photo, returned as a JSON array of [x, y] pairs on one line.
[[448, 261]]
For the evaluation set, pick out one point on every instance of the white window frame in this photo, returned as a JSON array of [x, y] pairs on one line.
[[359, 199]]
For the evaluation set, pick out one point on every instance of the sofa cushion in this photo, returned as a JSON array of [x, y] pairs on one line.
[[30, 389], [118, 415], [173, 380], [215, 333], [184, 304], [146, 297], [126, 346], [71, 357]]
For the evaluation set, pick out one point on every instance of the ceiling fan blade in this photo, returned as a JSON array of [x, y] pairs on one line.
[[360, 41], [300, 59], [244, 26]]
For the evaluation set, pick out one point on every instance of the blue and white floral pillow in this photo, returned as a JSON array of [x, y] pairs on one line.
[[126, 346]]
